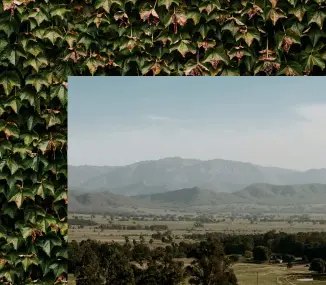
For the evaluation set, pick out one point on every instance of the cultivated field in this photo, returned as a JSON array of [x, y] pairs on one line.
[[181, 228]]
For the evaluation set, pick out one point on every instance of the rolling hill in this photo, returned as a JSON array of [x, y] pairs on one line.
[[284, 194], [190, 198]]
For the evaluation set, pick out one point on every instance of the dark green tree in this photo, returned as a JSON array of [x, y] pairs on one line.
[[318, 265], [211, 265], [261, 253], [88, 272]]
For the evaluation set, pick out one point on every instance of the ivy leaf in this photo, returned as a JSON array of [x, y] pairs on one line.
[[32, 121], [37, 80], [59, 91], [31, 213], [26, 232], [293, 2], [315, 36], [184, 47], [194, 15], [85, 40], [58, 268], [52, 34], [167, 3], [204, 29], [291, 69], [93, 64], [230, 71], [43, 188], [195, 68], [30, 96], [39, 15], [11, 274], [8, 26], [4, 145], [49, 242], [61, 195], [60, 11], [209, 6], [216, 55], [71, 39], [28, 261], [51, 119], [298, 11], [275, 14], [232, 27], [15, 241], [309, 60], [9, 128], [318, 17], [29, 137], [106, 4], [36, 63], [19, 195], [12, 165], [13, 103], [9, 210], [9, 79], [155, 67], [248, 36], [22, 149]]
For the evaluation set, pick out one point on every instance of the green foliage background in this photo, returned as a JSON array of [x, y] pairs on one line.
[[33, 145], [44, 42]]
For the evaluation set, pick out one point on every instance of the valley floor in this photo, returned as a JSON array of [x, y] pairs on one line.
[[181, 228]]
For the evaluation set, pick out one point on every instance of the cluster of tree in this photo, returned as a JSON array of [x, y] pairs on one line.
[[93, 262], [162, 235], [308, 245], [121, 227], [158, 227], [81, 222]]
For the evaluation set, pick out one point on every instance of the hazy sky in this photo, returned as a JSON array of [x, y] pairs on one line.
[[272, 121]]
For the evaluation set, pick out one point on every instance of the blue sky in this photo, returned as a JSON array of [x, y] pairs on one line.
[[275, 121]]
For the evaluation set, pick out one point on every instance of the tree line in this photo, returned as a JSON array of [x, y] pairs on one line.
[[307, 245], [137, 263]]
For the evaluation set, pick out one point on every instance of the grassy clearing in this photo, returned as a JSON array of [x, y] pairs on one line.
[[273, 275]]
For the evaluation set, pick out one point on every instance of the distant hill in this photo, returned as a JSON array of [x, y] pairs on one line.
[[193, 197], [189, 198], [174, 173], [284, 194], [100, 202], [81, 174]]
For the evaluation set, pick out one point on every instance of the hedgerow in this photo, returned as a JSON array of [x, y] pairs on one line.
[[44, 42]]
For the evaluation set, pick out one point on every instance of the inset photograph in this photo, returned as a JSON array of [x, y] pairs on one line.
[[177, 181]]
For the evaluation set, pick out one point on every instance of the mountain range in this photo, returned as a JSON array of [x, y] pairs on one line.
[[174, 173]]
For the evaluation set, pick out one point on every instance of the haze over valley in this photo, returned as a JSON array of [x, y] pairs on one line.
[[212, 185]]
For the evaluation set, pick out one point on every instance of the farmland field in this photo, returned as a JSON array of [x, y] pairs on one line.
[[181, 228], [273, 274], [246, 272]]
